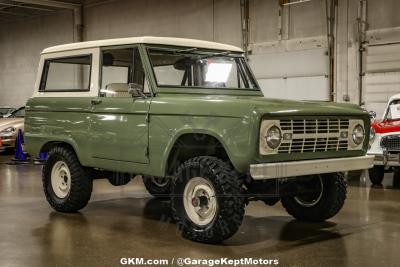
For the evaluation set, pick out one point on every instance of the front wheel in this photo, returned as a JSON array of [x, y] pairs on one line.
[[376, 174], [65, 182], [207, 200], [327, 198]]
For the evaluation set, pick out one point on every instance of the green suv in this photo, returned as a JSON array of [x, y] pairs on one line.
[[188, 116]]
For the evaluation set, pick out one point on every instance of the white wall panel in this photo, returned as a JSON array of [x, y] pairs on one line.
[[383, 58], [298, 75], [379, 87], [382, 79], [311, 62], [297, 88]]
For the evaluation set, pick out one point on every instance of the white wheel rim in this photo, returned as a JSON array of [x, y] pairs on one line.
[[199, 201], [61, 179], [159, 181], [313, 202]]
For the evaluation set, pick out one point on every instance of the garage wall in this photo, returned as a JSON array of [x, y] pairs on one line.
[[381, 55], [382, 77], [289, 51], [207, 19], [20, 45]]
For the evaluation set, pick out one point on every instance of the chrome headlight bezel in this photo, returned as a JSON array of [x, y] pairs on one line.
[[273, 137], [356, 130], [266, 127]]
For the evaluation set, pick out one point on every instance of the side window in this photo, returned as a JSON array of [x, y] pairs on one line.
[[66, 74], [121, 67]]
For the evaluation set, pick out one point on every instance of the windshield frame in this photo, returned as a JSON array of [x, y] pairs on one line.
[[12, 114], [387, 111], [201, 89]]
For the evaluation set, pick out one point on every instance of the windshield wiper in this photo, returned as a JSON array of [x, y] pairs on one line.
[[185, 50], [224, 53]]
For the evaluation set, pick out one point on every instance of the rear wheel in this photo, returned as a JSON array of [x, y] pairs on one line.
[[65, 182], [157, 186], [207, 200], [376, 174], [327, 198]]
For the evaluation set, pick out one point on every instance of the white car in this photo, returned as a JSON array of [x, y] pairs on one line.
[[385, 141], [9, 127]]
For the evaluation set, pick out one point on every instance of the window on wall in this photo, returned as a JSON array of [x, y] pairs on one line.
[[120, 68], [66, 74]]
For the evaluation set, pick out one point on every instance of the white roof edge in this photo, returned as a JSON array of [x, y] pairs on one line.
[[393, 97], [143, 40]]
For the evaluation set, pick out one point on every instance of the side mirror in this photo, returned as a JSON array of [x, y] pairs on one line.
[[372, 115], [136, 90]]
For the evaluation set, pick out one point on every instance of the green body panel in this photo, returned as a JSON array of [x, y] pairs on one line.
[[114, 134], [119, 130]]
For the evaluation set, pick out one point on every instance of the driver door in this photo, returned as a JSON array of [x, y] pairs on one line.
[[119, 127]]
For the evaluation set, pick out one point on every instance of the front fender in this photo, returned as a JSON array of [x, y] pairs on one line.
[[235, 135]]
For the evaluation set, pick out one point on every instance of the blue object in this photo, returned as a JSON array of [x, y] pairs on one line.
[[42, 156], [19, 152]]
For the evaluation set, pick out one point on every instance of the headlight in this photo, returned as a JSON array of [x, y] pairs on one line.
[[273, 137], [358, 134], [372, 134], [8, 130]]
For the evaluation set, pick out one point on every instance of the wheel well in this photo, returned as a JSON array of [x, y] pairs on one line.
[[191, 145], [48, 146]]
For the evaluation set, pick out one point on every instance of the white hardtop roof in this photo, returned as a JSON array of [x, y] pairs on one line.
[[143, 40], [394, 97]]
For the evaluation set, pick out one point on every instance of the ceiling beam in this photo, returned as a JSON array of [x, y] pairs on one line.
[[50, 3], [26, 7]]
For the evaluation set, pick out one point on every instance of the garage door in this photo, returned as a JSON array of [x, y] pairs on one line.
[[298, 75], [382, 78]]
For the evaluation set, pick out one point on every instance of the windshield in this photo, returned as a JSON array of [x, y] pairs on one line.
[[19, 113], [393, 111], [4, 111], [199, 69]]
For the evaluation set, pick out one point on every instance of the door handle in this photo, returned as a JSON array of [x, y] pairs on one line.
[[96, 101]]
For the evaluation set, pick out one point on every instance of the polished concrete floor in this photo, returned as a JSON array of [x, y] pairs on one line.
[[127, 222]]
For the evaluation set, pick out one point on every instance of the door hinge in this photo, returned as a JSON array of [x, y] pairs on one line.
[[147, 152], [147, 118]]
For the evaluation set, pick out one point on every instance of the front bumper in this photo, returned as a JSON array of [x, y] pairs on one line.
[[308, 167]]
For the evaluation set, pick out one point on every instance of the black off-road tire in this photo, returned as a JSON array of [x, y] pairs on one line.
[[156, 190], [376, 174], [81, 183], [331, 201], [229, 195]]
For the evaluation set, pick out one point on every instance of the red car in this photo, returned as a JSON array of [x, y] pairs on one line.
[[385, 141]]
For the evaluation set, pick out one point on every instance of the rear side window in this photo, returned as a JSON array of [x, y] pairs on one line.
[[66, 74]]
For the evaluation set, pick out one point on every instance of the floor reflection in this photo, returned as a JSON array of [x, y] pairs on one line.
[[126, 222]]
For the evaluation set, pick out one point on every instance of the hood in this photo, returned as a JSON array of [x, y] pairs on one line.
[[386, 126], [239, 106], [11, 122], [290, 107]]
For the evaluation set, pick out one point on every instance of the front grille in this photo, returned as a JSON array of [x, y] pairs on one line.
[[314, 135], [391, 143]]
